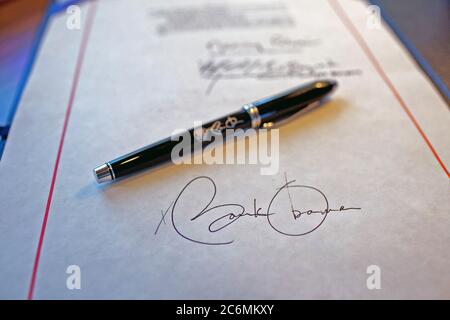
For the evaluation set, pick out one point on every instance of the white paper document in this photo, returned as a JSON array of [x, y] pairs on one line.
[[368, 168]]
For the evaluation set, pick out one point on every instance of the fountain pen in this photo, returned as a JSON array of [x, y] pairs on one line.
[[264, 113]]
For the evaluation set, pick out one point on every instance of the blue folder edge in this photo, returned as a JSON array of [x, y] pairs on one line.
[[52, 8], [55, 7]]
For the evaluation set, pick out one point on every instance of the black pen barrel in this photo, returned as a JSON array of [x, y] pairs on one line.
[[279, 107], [160, 152]]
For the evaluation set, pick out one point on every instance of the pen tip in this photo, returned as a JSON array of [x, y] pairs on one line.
[[326, 83], [327, 86], [333, 83]]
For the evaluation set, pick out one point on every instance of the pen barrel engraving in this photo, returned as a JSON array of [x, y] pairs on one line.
[[158, 153]]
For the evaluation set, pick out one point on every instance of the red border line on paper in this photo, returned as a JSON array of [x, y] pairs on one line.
[[73, 91], [359, 39]]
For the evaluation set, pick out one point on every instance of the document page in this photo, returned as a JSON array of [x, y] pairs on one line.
[[351, 201]]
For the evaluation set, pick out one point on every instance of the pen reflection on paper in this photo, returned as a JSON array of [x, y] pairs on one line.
[[294, 210]]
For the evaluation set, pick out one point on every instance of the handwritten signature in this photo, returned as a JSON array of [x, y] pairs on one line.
[[216, 69], [281, 214], [278, 44]]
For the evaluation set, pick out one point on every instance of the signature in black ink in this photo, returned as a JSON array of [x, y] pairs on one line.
[[283, 213], [277, 44], [216, 69]]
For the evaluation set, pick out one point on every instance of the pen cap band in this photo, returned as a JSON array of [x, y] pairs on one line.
[[285, 104], [253, 112]]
